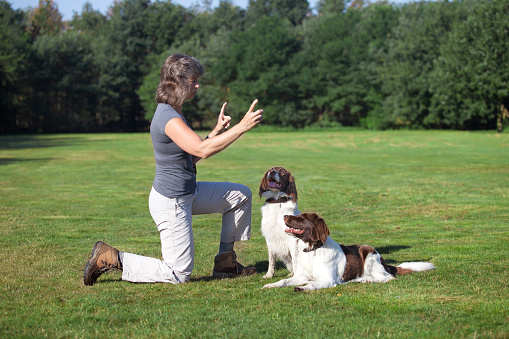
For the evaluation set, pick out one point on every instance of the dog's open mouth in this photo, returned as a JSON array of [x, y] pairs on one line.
[[274, 185], [294, 230]]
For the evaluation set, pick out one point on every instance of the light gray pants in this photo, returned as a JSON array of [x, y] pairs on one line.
[[173, 218]]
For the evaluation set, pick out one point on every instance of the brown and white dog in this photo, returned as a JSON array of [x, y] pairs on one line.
[[280, 192], [323, 263]]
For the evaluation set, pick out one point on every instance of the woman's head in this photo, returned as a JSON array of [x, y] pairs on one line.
[[179, 74]]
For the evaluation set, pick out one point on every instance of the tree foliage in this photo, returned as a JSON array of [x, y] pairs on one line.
[[413, 47], [351, 63], [470, 85], [13, 54]]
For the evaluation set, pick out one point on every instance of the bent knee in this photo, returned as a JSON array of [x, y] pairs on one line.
[[246, 191], [242, 188]]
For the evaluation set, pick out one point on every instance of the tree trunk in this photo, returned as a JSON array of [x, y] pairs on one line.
[[502, 114]]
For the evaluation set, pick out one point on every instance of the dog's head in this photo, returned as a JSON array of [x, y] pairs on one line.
[[277, 180], [308, 227]]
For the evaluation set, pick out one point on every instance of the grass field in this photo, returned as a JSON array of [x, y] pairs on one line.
[[435, 196]]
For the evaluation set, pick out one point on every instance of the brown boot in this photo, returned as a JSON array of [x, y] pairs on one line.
[[104, 258], [226, 266]]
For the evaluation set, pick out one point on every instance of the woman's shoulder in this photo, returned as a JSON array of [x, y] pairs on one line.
[[165, 113], [165, 109]]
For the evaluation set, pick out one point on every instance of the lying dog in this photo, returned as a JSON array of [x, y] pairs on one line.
[[323, 263], [280, 193]]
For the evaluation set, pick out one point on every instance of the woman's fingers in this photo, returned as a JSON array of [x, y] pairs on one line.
[[251, 109], [258, 114], [221, 113]]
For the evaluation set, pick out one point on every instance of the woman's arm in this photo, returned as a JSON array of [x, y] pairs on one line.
[[191, 142], [223, 122]]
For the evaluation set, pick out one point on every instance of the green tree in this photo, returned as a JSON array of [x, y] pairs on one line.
[[256, 66], [89, 21], [336, 73], [13, 61], [122, 61], [63, 78], [164, 20], [470, 82], [292, 10], [45, 19], [328, 7], [405, 69], [226, 17]]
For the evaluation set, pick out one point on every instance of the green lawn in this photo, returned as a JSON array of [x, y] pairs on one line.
[[436, 196]]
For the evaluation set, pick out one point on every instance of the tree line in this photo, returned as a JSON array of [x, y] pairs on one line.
[[433, 65]]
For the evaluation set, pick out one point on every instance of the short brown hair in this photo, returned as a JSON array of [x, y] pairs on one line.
[[175, 74]]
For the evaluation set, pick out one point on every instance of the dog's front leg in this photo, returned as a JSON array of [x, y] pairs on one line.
[[294, 254], [323, 277], [315, 285], [272, 265], [293, 281]]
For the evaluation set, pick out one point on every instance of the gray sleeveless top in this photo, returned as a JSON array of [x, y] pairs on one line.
[[174, 167]]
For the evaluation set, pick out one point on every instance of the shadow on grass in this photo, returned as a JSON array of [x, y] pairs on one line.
[[36, 141], [383, 250], [204, 278], [8, 161], [19, 142], [261, 267], [389, 249]]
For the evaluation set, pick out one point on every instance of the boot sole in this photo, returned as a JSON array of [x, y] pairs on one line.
[[247, 271], [216, 275], [93, 259]]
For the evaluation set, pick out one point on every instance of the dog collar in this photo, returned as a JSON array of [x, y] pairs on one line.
[[279, 200]]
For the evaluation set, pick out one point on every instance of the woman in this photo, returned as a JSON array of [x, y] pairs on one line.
[[175, 194]]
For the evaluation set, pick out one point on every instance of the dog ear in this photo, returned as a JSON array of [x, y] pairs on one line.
[[320, 231], [292, 188], [264, 184]]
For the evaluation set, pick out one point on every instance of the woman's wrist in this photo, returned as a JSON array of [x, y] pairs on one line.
[[215, 133]]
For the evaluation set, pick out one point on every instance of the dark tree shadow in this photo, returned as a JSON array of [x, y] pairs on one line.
[[37, 141], [18, 142], [8, 161]]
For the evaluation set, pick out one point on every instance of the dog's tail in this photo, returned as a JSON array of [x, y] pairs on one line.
[[411, 267]]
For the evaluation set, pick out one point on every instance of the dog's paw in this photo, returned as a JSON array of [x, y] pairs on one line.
[[298, 289], [268, 286], [267, 276]]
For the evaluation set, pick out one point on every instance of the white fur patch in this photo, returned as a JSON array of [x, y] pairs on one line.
[[418, 266], [374, 270]]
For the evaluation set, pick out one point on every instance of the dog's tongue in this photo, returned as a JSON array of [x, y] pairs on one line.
[[293, 230], [272, 184]]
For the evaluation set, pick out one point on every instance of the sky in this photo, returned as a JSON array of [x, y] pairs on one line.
[[68, 7]]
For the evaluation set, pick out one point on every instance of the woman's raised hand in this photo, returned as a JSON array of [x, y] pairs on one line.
[[223, 121], [252, 117]]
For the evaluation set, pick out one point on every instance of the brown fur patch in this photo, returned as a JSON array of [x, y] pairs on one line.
[[355, 258]]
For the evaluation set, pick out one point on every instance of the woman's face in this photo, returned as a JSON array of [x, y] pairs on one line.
[[193, 88]]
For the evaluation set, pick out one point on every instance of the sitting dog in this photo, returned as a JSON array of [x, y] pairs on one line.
[[323, 263], [280, 193]]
